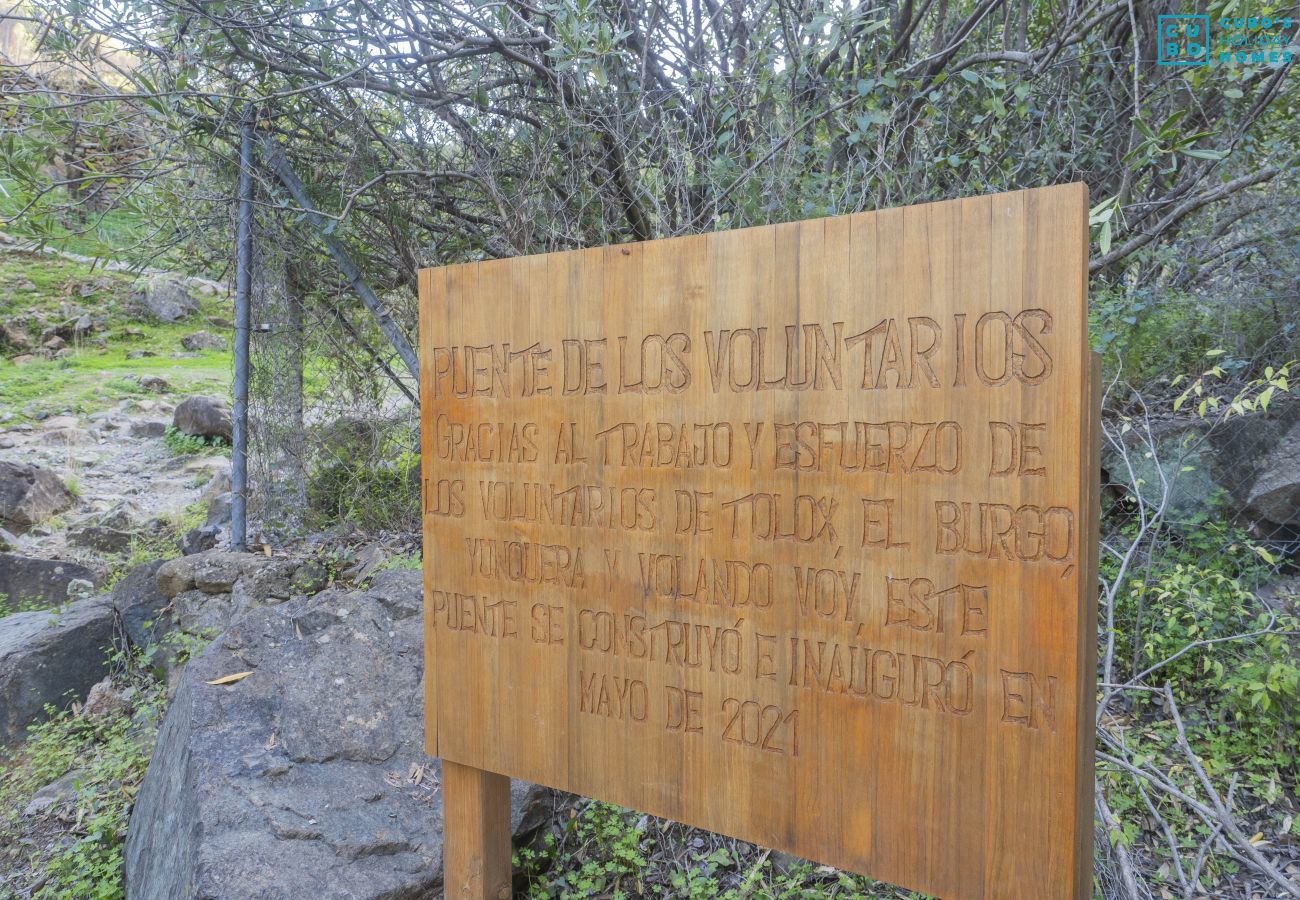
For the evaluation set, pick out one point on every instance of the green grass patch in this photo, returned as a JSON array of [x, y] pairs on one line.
[[95, 377]]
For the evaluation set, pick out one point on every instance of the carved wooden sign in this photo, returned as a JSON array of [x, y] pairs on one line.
[[785, 532]]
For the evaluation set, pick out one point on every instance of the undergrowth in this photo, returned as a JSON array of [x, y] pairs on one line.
[[81, 854]]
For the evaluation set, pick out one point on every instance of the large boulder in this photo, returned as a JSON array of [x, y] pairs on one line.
[[31, 494], [142, 607], [46, 581], [204, 340], [51, 656], [165, 297], [203, 417], [1258, 461], [307, 778]]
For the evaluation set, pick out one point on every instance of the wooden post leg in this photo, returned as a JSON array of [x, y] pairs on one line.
[[475, 833]]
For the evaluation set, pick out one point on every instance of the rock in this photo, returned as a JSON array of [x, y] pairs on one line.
[[50, 656], [139, 354], [66, 437], [101, 538], [80, 587], [26, 578], [220, 509], [204, 340], [199, 540], [142, 608], [148, 429], [218, 484], [53, 343], [55, 794], [203, 417], [155, 383], [105, 700], [30, 494], [214, 572], [1258, 461], [202, 613], [9, 541], [24, 359], [165, 297], [13, 337], [308, 777]]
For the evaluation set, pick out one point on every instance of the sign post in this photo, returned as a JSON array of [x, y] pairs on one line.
[[788, 533]]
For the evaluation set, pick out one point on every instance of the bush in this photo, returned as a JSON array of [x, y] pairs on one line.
[[182, 444]]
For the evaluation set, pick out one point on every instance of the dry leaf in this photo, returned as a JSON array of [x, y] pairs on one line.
[[230, 679]]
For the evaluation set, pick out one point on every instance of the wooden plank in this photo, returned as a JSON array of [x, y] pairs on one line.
[[787, 532], [476, 849]]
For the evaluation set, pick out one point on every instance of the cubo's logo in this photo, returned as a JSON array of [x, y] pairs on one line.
[[1184, 40]]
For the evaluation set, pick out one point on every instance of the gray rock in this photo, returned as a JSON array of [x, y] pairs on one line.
[[148, 429], [30, 494], [1258, 461], [26, 578], [204, 340], [203, 613], [13, 337], [307, 778], [101, 538], [55, 794], [155, 383], [142, 608], [199, 540], [165, 297], [214, 572], [203, 417], [80, 587], [51, 656], [9, 540]]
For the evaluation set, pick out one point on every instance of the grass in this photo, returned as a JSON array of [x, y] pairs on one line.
[[95, 378], [75, 852]]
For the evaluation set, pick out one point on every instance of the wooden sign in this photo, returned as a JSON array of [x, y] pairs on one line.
[[787, 533]]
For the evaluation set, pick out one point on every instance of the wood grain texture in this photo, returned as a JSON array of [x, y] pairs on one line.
[[476, 853], [786, 532]]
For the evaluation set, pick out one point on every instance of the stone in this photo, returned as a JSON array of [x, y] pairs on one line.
[[155, 383], [66, 437], [142, 608], [30, 494], [199, 540], [23, 359], [80, 587], [164, 297], [106, 700], [204, 340], [51, 656], [1258, 461], [101, 538], [13, 337], [29, 579], [308, 777], [57, 793], [203, 417], [148, 429], [214, 572], [203, 613], [9, 540]]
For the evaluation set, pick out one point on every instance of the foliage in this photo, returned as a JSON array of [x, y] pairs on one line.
[[598, 849], [182, 444], [111, 755], [378, 490], [12, 607]]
